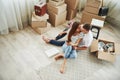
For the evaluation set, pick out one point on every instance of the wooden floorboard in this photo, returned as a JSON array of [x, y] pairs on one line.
[[22, 54]]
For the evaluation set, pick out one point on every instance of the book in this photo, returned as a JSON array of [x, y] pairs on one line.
[[51, 52]]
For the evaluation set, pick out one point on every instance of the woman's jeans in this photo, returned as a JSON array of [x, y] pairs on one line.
[[58, 43], [69, 52]]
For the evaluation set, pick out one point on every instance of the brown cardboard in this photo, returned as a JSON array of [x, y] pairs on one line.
[[91, 9], [94, 3], [56, 20], [40, 18], [58, 9], [42, 30], [87, 17], [117, 48], [94, 46], [56, 2], [72, 3], [71, 13], [101, 54], [106, 56], [37, 23]]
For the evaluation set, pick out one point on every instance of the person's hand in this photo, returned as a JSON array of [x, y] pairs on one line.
[[75, 47], [68, 43], [62, 33]]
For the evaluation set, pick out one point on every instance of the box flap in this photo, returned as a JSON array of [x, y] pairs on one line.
[[94, 46], [117, 48], [106, 56]]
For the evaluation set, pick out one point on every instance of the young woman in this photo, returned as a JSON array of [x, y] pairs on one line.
[[74, 38]]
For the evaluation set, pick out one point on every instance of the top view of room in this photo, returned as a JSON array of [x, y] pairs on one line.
[[59, 40]]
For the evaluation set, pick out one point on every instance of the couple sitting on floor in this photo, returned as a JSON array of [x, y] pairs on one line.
[[79, 37]]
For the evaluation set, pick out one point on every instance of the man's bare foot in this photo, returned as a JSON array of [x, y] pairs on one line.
[[59, 56], [46, 39]]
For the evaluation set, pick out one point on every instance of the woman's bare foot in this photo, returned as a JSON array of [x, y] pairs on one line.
[[59, 56], [62, 69], [46, 39]]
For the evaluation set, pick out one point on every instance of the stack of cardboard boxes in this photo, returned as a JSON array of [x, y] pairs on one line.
[[57, 12], [91, 11], [71, 8], [39, 19]]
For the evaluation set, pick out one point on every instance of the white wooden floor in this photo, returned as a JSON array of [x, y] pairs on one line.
[[22, 55]]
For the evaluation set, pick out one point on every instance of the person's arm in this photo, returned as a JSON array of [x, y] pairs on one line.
[[64, 32], [76, 43], [80, 48]]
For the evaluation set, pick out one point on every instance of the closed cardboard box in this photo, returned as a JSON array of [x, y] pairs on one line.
[[40, 18], [94, 3], [91, 9], [73, 4], [42, 30], [56, 2], [55, 19], [37, 23], [57, 10], [104, 55], [71, 13], [87, 17]]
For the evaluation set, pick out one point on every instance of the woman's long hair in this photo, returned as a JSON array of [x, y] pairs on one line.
[[73, 29]]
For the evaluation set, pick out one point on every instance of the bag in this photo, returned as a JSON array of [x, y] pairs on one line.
[[103, 11]]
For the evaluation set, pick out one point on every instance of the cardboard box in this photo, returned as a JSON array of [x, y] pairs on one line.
[[94, 3], [57, 10], [37, 23], [102, 54], [56, 2], [55, 19], [42, 30], [71, 13], [87, 17], [73, 4], [91, 9], [40, 18]]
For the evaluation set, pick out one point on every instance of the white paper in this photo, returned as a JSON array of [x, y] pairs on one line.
[[51, 52]]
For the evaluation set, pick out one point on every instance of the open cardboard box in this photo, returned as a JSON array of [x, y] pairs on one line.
[[102, 54]]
